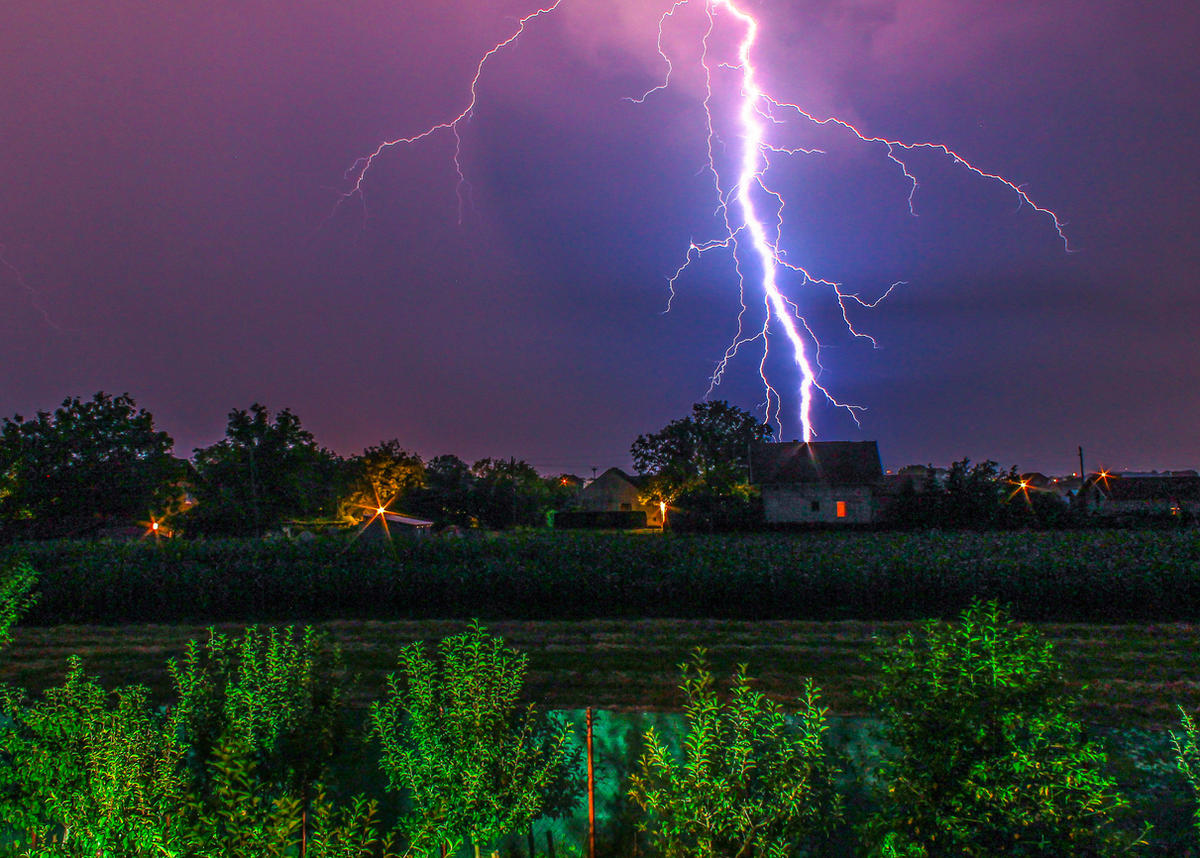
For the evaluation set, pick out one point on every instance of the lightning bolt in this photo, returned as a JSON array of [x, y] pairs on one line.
[[35, 297], [750, 209]]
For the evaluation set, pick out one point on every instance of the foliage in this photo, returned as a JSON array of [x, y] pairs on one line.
[[748, 785], [508, 493], [977, 497], [235, 819], [17, 579], [1187, 757], [989, 758], [263, 473], [89, 463], [97, 772], [447, 496], [1089, 576], [700, 509], [474, 765], [273, 696], [383, 475], [709, 448]]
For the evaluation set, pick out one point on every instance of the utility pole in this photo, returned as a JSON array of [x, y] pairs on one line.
[[1082, 472]]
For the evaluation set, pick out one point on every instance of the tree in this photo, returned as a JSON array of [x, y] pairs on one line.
[[381, 476], [17, 580], [710, 449], [88, 463], [990, 759], [263, 473], [508, 492], [474, 764], [447, 495], [1187, 759], [749, 784]]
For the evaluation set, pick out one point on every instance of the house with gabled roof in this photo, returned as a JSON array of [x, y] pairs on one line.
[[617, 491], [818, 482]]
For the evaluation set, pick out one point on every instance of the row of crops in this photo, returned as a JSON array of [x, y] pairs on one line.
[[1092, 576]]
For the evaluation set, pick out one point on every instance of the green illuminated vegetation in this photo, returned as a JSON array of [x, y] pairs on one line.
[[1187, 757], [17, 579], [980, 754], [991, 760], [474, 764], [749, 784]]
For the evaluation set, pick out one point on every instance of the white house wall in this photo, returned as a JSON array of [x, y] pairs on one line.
[[795, 504]]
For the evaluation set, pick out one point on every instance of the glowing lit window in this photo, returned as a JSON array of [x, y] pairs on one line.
[[841, 509]]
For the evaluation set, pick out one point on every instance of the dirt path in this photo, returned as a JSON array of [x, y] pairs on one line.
[[1135, 674]]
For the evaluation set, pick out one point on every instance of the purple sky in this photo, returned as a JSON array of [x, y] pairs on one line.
[[168, 173]]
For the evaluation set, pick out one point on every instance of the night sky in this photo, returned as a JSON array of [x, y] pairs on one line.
[[170, 176]]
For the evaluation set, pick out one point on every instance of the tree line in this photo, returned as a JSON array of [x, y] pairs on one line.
[[98, 462], [101, 462]]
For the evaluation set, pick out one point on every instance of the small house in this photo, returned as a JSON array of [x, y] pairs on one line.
[[617, 491], [818, 482]]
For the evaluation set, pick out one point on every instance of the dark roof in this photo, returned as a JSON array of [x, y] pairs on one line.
[[635, 481], [1166, 487], [840, 463]]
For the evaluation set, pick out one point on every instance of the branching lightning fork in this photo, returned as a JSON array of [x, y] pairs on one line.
[[750, 209]]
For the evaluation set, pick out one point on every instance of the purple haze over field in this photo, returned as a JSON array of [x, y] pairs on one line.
[[167, 174]]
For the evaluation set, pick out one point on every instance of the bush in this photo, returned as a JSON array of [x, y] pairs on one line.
[[748, 784], [275, 696], [1187, 758], [474, 765], [16, 581], [99, 773], [989, 759]]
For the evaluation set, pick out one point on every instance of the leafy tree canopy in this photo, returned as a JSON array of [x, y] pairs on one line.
[[264, 472], [383, 475], [707, 449], [90, 462]]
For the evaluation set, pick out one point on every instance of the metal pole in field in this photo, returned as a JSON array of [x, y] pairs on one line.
[[591, 788]]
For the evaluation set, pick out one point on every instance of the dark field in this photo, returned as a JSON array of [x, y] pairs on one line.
[[1135, 674], [1070, 576]]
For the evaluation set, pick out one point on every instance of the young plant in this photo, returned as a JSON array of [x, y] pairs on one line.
[[474, 764], [98, 773], [749, 784], [234, 819], [274, 696], [16, 581], [1187, 758], [990, 760]]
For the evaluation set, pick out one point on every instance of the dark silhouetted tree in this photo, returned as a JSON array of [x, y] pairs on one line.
[[91, 462], [263, 473]]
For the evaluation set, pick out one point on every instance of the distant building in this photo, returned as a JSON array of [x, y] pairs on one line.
[[818, 482], [1142, 494], [617, 491], [373, 526]]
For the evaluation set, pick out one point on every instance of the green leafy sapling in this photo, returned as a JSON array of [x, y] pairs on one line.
[[274, 694], [474, 764], [235, 819], [990, 758], [1187, 759], [17, 579], [750, 784], [96, 772]]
